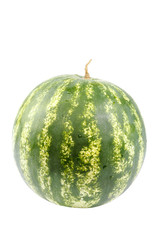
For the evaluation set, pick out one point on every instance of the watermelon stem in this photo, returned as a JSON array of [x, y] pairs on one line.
[[87, 76]]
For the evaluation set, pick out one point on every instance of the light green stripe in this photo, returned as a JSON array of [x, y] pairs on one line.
[[44, 141], [25, 146], [67, 176], [22, 109], [126, 123], [89, 157], [113, 92], [120, 165], [138, 126], [126, 130], [140, 139]]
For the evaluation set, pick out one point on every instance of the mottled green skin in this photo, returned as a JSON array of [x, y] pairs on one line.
[[107, 178]]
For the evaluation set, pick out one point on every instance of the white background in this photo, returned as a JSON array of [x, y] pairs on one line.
[[42, 39]]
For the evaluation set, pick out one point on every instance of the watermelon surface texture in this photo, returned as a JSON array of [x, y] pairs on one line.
[[79, 142]]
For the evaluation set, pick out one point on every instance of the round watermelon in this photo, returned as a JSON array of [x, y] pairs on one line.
[[79, 141]]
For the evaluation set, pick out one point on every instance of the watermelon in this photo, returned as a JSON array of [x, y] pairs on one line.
[[79, 141]]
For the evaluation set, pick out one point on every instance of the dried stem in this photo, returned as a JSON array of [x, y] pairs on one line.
[[87, 76]]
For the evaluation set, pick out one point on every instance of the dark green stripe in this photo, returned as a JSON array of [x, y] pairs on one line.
[[109, 166], [134, 134], [33, 161], [55, 149], [25, 119], [105, 178], [78, 135]]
